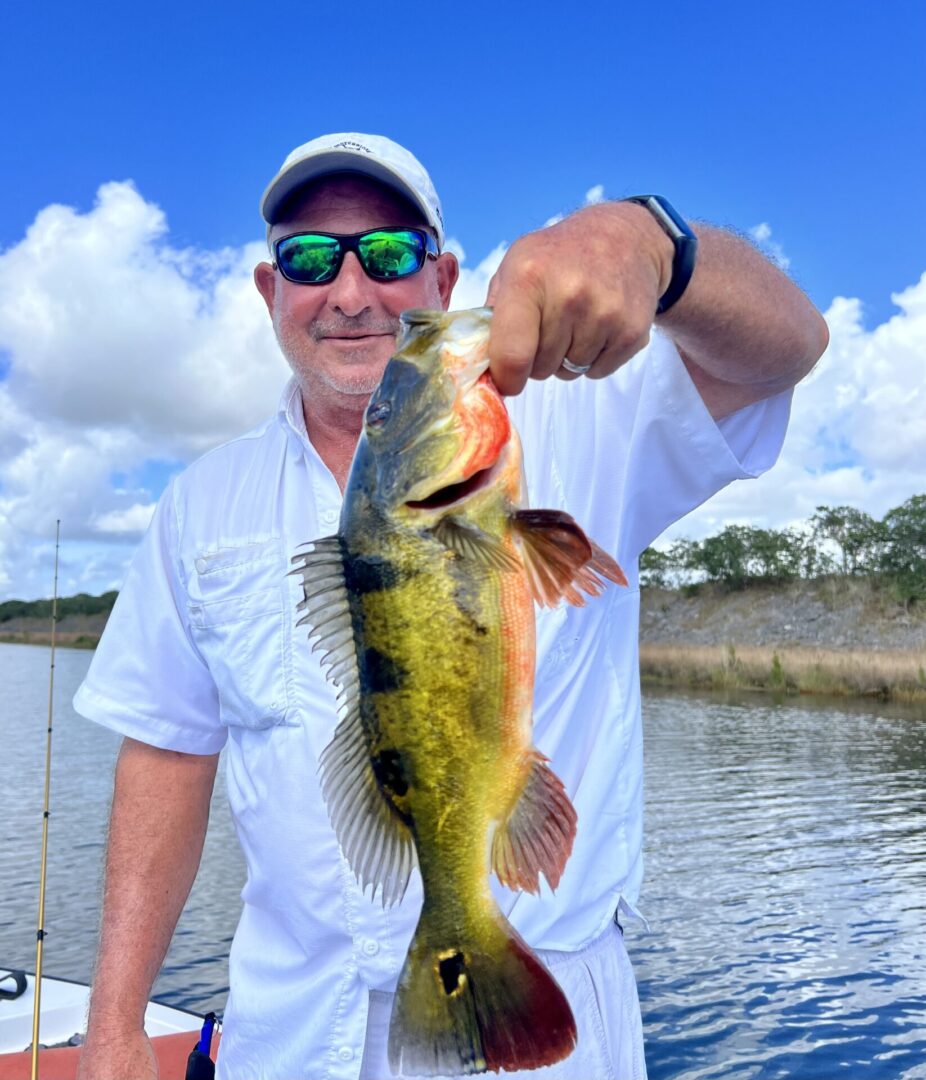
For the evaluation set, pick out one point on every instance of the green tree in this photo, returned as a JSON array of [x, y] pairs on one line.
[[773, 554], [903, 552], [857, 535], [81, 604], [724, 557], [654, 568]]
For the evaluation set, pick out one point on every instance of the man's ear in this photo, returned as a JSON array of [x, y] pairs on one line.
[[265, 280], [448, 270]]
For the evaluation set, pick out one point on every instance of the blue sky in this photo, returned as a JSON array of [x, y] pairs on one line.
[[805, 118], [807, 115]]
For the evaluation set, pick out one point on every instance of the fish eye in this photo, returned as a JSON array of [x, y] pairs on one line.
[[379, 413]]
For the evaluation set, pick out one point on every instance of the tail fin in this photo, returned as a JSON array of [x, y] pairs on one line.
[[460, 1010]]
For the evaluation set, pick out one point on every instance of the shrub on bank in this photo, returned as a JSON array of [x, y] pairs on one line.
[[839, 542]]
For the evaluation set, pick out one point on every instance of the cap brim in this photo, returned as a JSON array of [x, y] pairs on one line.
[[324, 162]]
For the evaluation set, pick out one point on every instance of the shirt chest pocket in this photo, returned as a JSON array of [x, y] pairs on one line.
[[238, 621]]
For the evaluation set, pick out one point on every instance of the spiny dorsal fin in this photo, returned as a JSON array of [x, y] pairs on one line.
[[560, 559], [375, 840], [539, 832], [471, 542]]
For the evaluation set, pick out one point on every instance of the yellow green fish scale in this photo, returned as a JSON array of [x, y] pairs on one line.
[[446, 717]]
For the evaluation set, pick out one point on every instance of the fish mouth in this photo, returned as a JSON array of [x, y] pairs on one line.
[[455, 493]]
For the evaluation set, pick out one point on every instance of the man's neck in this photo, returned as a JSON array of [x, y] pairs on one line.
[[333, 428]]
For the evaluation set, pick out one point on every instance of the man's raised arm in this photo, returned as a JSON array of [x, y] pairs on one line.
[[158, 824], [587, 289]]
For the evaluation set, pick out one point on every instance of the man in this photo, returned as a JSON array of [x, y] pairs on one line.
[[202, 650]]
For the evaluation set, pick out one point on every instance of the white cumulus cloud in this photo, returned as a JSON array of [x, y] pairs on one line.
[[119, 349], [857, 435], [473, 284], [123, 356], [133, 520]]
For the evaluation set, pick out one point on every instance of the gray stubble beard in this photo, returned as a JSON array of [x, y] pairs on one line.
[[297, 348]]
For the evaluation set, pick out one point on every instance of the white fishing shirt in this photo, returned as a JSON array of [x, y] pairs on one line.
[[201, 652]]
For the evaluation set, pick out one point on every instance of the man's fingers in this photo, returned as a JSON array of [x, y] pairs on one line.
[[616, 354], [583, 289], [589, 340], [555, 341], [513, 338]]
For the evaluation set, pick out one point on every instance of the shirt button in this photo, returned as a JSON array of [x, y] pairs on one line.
[[329, 516], [370, 947], [346, 1054], [201, 565]]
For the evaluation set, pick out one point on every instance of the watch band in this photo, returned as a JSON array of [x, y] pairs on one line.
[[684, 240]]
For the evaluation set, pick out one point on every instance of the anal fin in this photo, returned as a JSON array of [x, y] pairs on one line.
[[538, 834]]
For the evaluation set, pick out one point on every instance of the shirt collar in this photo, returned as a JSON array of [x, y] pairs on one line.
[[290, 411]]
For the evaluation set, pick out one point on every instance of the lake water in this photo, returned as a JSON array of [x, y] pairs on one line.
[[785, 877]]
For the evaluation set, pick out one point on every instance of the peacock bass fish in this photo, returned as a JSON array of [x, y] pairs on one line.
[[423, 608]]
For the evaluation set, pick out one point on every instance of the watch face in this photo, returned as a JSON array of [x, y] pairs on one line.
[[666, 213], [685, 241]]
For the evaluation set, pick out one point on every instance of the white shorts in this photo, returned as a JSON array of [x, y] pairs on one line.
[[599, 983]]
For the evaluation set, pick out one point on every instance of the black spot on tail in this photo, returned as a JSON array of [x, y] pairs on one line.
[[379, 673], [450, 969]]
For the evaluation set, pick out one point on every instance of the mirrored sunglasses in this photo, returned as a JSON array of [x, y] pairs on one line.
[[314, 258]]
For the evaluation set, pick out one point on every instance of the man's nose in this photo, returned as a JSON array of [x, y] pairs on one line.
[[350, 292]]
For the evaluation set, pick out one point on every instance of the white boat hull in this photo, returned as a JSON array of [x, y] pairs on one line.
[[64, 1014]]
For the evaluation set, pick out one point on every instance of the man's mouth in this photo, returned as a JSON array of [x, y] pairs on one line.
[[355, 339]]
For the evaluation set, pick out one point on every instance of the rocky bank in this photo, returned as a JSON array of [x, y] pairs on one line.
[[835, 613]]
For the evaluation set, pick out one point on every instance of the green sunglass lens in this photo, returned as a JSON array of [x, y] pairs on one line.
[[308, 258], [389, 255]]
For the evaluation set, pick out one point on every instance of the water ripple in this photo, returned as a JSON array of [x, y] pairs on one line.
[[785, 880]]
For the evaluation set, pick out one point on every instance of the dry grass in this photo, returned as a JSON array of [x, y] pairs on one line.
[[896, 674], [66, 639]]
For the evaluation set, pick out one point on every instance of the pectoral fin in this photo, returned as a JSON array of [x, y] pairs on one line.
[[471, 542], [358, 785], [560, 559], [539, 832]]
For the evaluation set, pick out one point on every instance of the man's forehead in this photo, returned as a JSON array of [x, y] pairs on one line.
[[347, 194]]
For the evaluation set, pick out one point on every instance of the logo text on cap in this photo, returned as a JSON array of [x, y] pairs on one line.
[[349, 145]]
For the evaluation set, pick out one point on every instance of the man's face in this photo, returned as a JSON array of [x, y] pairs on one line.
[[338, 337]]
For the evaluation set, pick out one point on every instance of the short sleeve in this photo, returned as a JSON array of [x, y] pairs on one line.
[[680, 456], [634, 453], [147, 680]]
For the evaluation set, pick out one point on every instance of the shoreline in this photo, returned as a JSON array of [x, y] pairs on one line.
[[63, 639], [897, 675]]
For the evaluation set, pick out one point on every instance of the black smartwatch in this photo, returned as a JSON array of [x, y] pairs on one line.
[[685, 241]]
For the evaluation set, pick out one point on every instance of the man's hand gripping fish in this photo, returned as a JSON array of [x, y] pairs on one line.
[[423, 607]]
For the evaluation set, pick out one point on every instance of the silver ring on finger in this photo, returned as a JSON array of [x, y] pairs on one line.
[[576, 369]]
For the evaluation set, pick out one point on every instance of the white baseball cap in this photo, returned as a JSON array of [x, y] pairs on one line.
[[372, 155]]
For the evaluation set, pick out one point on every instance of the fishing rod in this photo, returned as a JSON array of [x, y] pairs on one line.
[[40, 933]]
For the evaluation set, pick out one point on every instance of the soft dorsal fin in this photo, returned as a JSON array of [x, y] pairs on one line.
[[560, 559], [538, 834], [471, 542], [373, 837]]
